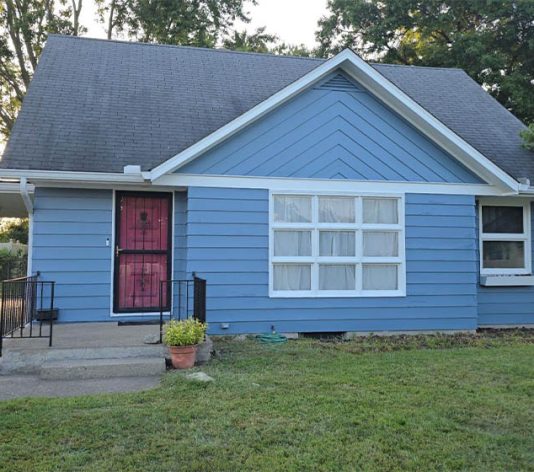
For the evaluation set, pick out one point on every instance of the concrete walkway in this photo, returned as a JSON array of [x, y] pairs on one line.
[[17, 386]]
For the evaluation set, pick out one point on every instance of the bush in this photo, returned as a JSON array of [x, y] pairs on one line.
[[11, 265], [528, 137], [185, 332], [16, 229]]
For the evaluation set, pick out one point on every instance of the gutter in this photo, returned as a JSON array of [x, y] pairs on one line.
[[71, 176]]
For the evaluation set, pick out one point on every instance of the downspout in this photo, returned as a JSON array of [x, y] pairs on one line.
[[29, 208]]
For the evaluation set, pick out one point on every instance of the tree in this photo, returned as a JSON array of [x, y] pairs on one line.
[[285, 49], [259, 41], [14, 228], [187, 22], [492, 40], [24, 26], [528, 137], [263, 42]]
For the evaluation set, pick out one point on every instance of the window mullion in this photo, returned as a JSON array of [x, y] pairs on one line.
[[359, 245], [315, 245]]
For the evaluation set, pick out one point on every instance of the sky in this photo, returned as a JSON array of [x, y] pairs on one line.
[[294, 21]]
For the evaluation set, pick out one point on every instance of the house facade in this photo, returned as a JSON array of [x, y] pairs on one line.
[[312, 196]]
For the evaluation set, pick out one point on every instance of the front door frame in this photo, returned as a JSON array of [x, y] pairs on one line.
[[116, 311]]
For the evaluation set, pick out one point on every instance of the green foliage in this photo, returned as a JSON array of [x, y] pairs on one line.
[[12, 265], [493, 41], [16, 229], [188, 22], [259, 41], [528, 137], [294, 407], [262, 42], [187, 332], [300, 50], [6, 257]]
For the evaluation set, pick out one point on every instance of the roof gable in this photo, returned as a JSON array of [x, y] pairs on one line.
[[379, 86], [334, 130]]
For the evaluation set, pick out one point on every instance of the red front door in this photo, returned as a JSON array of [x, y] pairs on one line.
[[142, 251]]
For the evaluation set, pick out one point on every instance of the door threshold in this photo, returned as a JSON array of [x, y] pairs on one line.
[[138, 323]]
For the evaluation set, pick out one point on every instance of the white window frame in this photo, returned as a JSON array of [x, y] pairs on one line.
[[358, 260], [524, 237]]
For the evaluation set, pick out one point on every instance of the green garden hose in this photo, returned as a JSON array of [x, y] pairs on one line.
[[271, 338]]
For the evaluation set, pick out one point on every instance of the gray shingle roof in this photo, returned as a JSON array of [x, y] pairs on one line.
[[97, 105]]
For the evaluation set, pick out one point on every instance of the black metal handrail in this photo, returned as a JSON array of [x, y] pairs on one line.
[[189, 300], [23, 300]]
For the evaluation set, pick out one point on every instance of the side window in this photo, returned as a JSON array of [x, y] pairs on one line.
[[505, 239]]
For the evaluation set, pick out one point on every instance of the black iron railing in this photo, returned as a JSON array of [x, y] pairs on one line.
[[188, 300], [26, 301]]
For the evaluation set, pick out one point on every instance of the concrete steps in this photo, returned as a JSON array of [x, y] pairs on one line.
[[80, 363], [81, 369], [31, 361]]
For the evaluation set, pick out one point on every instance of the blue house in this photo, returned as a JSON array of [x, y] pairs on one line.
[[312, 195]]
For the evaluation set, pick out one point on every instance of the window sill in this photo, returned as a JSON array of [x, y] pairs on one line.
[[507, 280], [339, 294]]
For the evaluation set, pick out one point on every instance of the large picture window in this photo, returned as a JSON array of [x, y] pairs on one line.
[[505, 237], [336, 245]]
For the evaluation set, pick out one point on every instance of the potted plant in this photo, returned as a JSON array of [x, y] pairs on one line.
[[182, 337]]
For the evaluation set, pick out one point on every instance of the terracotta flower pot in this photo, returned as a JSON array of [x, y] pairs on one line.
[[183, 357]]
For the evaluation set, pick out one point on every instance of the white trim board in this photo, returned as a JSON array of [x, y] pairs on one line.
[[14, 187], [385, 90], [327, 185], [68, 176]]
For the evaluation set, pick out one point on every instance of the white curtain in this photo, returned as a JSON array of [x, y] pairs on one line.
[[336, 210], [336, 243], [337, 277], [379, 277], [292, 209], [292, 243], [292, 277], [380, 211], [504, 254], [380, 244]]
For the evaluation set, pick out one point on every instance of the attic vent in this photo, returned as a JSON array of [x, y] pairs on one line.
[[339, 83]]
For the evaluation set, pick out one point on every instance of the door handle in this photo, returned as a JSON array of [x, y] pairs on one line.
[[117, 251]]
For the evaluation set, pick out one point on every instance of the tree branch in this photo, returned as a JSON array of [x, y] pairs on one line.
[[8, 120], [110, 19], [76, 9]]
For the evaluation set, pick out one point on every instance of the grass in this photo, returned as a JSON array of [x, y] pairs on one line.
[[373, 404]]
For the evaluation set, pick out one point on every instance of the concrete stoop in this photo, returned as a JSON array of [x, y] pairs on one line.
[[92, 362], [85, 363]]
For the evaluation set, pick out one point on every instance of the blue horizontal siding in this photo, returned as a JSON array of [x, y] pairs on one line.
[[70, 231], [180, 235], [69, 246], [289, 326], [228, 245], [332, 132], [506, 306]]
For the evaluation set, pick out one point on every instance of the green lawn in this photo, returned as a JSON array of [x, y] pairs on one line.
[[457, 404]]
